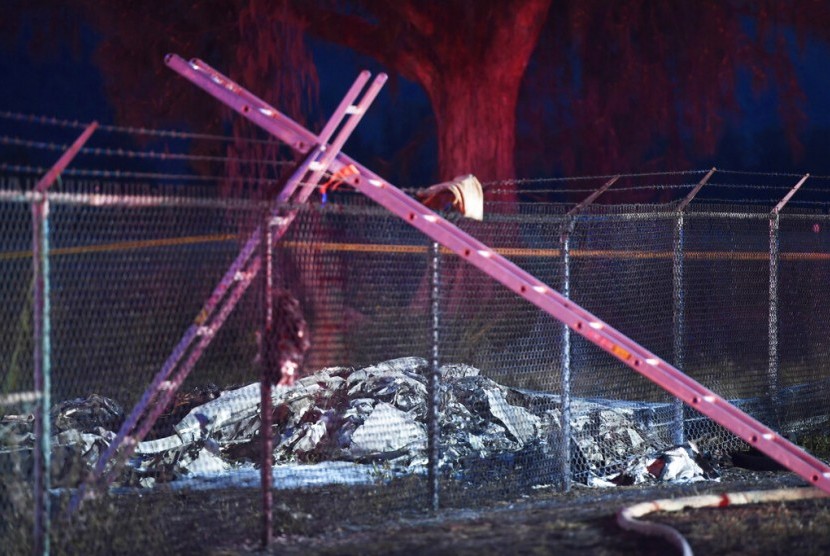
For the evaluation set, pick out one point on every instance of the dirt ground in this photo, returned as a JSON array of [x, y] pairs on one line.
[[583, 522], [371, 520]]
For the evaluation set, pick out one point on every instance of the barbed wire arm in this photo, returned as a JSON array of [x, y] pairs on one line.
[[42, 358]]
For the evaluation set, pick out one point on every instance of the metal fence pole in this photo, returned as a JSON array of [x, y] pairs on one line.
[[772, 373], [679, 298], [774, 245], [434, 385], [679, 318], [42, 374], [266, 436], [565, 443], [565, 358], [42, 331]]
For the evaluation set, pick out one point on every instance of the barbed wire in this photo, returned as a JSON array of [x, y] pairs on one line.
[[747, 200], [612, 190], [183, 178], [177, 134], [491, 187], [796, 202], [757, 173], [174, 134], [593, 177], [710, 186], [774, 174], [115, 174], [126, 153]]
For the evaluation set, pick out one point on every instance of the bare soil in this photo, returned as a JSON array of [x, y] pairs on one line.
[[584, 522], [380, 519]]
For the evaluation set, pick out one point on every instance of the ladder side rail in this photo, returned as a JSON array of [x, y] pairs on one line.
[[259, 105], [171, 387], [156, 397], [297, 136], [328, 131], [152, 396], [655, 369], [314, 160], [598, 332], [544, 297], [166, 394], [231, 276], [333, 150], [260, 112]]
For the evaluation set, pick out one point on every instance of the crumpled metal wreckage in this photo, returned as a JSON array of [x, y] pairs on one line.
[[683, 463], [375, 414]]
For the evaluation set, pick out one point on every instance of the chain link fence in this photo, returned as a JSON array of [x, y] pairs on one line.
[[520, 405]]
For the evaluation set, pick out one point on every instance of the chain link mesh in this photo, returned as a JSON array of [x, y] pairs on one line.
[[132, 265]]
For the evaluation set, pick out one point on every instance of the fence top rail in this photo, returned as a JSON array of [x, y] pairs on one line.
[[531, 213]]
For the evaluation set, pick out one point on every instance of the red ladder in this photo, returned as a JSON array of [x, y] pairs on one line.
[[157, 397], [522, 283]]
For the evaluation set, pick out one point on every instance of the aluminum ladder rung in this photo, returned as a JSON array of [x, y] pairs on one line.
[[162, 389], [527, 286]]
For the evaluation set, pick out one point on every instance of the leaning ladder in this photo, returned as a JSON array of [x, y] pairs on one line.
[[522, 283], [319, 156]]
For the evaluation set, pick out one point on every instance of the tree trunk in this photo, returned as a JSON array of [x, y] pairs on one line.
[[475, 114], [472, 78], [474, 96], [470, 58]]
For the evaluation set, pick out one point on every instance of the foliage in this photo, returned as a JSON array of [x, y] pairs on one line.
[[644, 85], [634, 86]]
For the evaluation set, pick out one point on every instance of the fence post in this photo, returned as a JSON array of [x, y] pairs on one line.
[[266, 437], [772, 372], [679, 318], [565, 359], [42, 332], [774, 244], [434, 385], [42, 373], [679, 300], [565, 425]]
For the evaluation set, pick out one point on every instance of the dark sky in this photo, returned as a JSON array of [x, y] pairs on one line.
[[762, 145], [62, 82], [67, 84]]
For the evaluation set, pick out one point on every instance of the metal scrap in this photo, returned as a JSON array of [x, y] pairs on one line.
[[370, 415]]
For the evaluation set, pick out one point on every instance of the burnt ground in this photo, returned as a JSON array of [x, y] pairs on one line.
[[380, 520], [583, 522]]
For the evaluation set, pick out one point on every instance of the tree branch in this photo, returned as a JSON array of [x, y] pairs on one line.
[[421, 21], [390, 42], [528, 17]]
